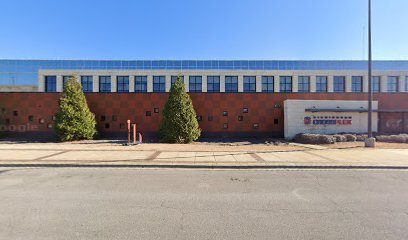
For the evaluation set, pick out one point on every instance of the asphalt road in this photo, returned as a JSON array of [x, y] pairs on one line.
[[102, 203]]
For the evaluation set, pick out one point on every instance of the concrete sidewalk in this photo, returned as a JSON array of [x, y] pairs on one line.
[[125, 157]]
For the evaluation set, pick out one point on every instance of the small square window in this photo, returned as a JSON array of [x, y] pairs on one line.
[[275, 121], [31, 118], [240, 118], [210, 118], [255, 126], [49, 125], [54, 118], [7, 121], [148, 113], [15, 113], [156, 110], [107, 125], [199, 118], [277, 105], [225, 126], [114, 118], [122, 126], [225, 113], [103, 118], [41, 120], [245, 110]]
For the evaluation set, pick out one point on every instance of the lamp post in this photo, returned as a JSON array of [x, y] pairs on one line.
[[370, 141]]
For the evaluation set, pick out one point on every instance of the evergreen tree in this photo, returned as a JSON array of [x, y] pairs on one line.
[[74, 121], [179, 124]]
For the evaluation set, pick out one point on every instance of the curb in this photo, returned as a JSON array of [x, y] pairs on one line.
[[183, 166]]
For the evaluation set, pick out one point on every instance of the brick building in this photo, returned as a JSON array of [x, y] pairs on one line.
[[230, 97]]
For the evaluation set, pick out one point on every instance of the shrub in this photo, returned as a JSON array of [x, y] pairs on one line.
[[340, 138], [402, 138], [350, 137], [179, 124], [398, 139], [74, 121], [306, 138], [361, 138], [326, 139], [383, 138]]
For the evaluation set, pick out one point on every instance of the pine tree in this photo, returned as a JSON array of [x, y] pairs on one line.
[[74, 121], [179, 124]]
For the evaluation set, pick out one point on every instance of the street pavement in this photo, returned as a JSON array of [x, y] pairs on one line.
[[132, 203]]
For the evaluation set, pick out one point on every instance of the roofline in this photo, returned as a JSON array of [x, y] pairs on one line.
[[250, 60]]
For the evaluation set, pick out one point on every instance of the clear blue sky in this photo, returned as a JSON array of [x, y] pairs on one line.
[[201, 29]]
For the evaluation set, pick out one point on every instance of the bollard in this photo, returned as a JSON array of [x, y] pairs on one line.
[[140, 138], [134, 133], [128, 127]]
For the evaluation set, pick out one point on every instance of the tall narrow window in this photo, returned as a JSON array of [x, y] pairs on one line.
[[123, 84], [303, 84], [174, 78], [321, 84], [213, 84], [375, 84], [159, 83], [87, 83], [285, 84], [357, 84], [339, 84], [249, 84], [231, 84], [50, 83], [392, 84], [141, 84], [195, 84], [267, 84], [104, 84], [406, 84]]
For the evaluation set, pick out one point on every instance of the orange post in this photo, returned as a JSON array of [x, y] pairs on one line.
[[128, 127], [134, 133]]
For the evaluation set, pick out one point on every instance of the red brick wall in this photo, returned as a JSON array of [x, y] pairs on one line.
[[263, 108]]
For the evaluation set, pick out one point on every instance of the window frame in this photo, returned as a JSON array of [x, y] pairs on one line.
[[303, 84], [320, 83], [87, 83], [394, 85], [159, 84], [105, 84], [406, 83], [231, 84], [249, 84], [285, 86], [142, 82], [374, 84], [357, 84], [122, 84], [268, 81], [337, 83], [50, 86], [195, 83], [212, 84]]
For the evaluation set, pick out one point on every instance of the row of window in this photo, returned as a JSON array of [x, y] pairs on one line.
[[231, 83]]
